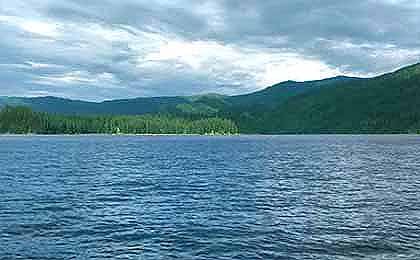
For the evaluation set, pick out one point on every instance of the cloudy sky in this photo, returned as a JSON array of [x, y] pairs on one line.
[[107, 49]]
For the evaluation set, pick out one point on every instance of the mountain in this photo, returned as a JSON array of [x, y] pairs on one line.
[[249, 110], [136, 106], [385, 104], [199, 105], [271, 96]]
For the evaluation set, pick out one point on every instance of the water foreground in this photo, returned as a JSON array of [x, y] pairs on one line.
[[197, 197]]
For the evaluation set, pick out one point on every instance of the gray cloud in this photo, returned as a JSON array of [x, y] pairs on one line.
[[103, 49]]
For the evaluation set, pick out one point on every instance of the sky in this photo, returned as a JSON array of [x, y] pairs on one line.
[[111, 49]]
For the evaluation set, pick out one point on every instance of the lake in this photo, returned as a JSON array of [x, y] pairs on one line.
[[192, 197]]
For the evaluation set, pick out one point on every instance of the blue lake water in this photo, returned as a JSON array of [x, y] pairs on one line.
[[242, 197]]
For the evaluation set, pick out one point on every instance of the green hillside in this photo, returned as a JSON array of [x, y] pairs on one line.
[[386, 104]]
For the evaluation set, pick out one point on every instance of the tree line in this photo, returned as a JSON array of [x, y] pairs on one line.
[[23, 120]]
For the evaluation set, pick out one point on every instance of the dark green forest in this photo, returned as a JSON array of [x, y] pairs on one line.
[[22, 120], [386, 104]]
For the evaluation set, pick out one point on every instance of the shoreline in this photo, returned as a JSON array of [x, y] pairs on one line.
[[207, 135], [17, 135]]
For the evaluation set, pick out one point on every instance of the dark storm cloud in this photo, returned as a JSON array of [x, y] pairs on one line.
[[115, 49]]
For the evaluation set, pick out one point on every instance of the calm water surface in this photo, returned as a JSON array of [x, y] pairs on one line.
[[246, 197]]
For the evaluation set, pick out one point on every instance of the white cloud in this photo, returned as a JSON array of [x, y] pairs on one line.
[[297, 69], [195, 54], [41, 28], [106, 79], [252, 67], [186, 47], [30, 65], [39, 65], [158, 53]]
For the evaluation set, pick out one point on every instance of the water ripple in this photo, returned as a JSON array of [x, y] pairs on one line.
[[247, 197]]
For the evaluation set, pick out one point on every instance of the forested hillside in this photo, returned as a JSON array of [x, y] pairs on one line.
[[385, 104]]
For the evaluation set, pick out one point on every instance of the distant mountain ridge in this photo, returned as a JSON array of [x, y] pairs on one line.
[[197, 104], [389, 103]]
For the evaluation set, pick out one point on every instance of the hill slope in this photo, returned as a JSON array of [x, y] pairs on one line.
[[384, 104]]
